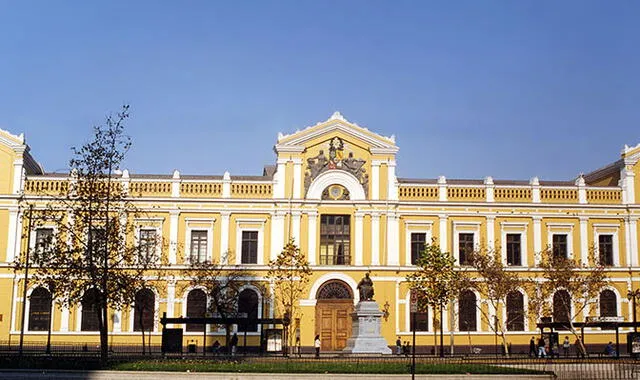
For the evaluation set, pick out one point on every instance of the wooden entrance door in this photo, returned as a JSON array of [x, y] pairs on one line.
[[333, 323]]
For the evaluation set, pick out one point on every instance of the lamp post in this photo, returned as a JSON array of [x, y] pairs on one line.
[[631, 296]]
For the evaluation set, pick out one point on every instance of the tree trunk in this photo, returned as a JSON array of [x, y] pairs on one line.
[[142, 328], [103, 323]]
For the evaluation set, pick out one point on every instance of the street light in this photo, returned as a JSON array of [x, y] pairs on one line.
[[632, 295]]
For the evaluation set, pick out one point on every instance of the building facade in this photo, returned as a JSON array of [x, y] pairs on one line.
[[335, 192]]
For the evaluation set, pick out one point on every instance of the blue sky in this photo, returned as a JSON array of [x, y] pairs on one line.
[[510, 89]]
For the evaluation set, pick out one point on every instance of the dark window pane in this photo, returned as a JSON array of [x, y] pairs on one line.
[[515, 311], [467, 311], [335, 240], [39, 310], [147, 245], [44, 238], [249, 247], [422, 321], [560, 245], [248, 303], [513, 250], [144, 310], [608, 304], [198, 246], [605, 249], [561, 306], [418, 240], [90, 311], [465, 247], [197, 308]]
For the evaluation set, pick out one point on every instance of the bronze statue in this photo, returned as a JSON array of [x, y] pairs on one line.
[[365, 287]]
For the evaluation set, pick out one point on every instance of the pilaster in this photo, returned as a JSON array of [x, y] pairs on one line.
[[173, 236], [297, 177], [442, 188], [224, 237], [375, 179], [444, 238], [537, 239], [584, 243], [359, 236], [375, 238], [312, 220], [393, 248]]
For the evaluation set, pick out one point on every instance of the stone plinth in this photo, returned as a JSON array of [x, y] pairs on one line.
[[366, 337]]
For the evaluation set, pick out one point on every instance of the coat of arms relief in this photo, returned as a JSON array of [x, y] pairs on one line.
[[336, 160]]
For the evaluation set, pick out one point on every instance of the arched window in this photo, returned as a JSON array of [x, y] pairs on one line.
[[90, 311], [608, 304], [144, 310], [196, 307], [467, 311], [248, 303], [334, 290], [561, 306], [39, 310], [515, 311]]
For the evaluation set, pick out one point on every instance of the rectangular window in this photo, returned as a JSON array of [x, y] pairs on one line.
[[147, 245], [44, 237], [97, 242], [513, 250], [249, 247], [418, 240], [605, 249], [198, 251], [421, 321], [335, 232], [559, 245], [465, 248]]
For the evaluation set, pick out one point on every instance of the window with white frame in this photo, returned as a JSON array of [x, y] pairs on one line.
[[606, 241], [43, 241], [465, 239], [605, 249], [514, 249], [513, 243], [559, 245], [465, 247], [147, 244], [198, 246], [418, 241], [560, 239], [249, 247], [417, 235]]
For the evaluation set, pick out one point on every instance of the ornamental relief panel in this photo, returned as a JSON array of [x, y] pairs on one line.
[[335, 160]]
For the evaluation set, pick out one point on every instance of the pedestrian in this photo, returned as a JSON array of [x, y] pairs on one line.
[[565, 346], [406, 348], [579, 348], [541, 351], [398, 346], [216, 347], [532, 348], [316, 345], [234, 344], [609, 350]]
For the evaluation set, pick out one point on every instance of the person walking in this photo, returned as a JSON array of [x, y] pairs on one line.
[[532, 348], [565, 346], [541, 351], [316, 345], [234, 344], [579, 348], [398, 346]]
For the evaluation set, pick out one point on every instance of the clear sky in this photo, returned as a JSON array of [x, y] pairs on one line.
[[511, 89]]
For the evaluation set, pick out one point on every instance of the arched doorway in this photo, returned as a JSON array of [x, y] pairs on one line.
[[333, 315]]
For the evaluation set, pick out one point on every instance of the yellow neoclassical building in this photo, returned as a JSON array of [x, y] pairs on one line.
[[334, 191]]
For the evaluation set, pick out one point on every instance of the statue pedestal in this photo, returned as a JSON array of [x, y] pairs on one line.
[[366, 338]]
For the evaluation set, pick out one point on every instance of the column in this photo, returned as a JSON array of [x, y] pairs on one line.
[[117, 320], [375, 239], [392, 185], [279, 178], [226, 185], [64, 319], [18, 174], [627, 182], [489, 188], [359, 236], [633, 237], [537, 239], [297, 177], [393, 249], [14, 227], [582, 191], [443, 233], [175, 184], [224, 237], [173, 236], [277, 234], [295, 226], [14, 299], [584, 243], [442, 188], [171, 295], [375, 179], [312, 218], [491, 235], [535, 189]]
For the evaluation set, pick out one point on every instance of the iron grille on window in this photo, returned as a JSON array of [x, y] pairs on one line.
[[248, 304], [249, 247], [334, 290], [198, 251], [513, 250], [144, 310], [515, 311], [605, 249], [39, 310], [560, 245], [196, 308], [335, 234], [465, 248], [418, 240], [608, 304], [467, 311]]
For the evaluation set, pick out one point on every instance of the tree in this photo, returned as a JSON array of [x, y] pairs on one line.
[[494, 282], [290, 274], [581, 282], [222, 285], [91, 251], [436, 281]]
